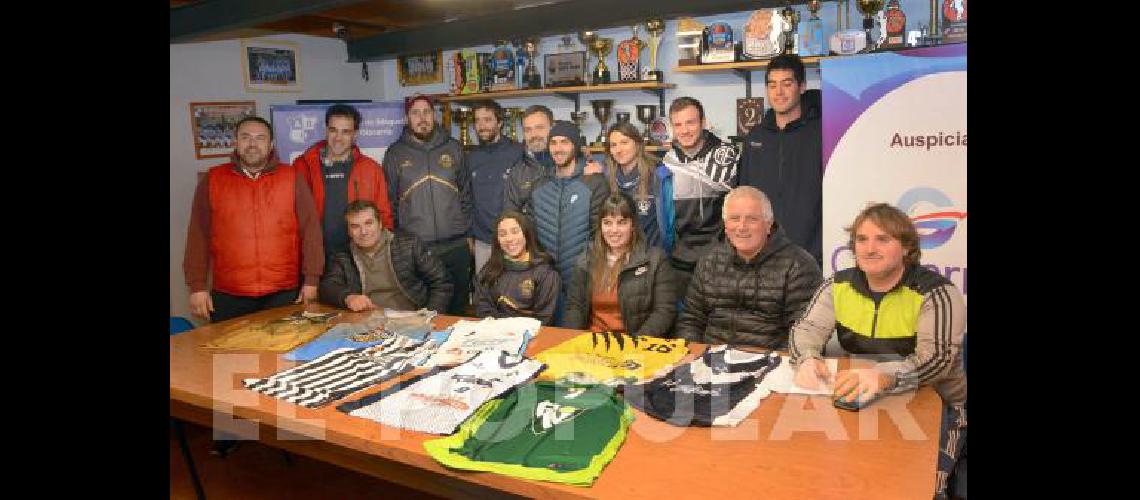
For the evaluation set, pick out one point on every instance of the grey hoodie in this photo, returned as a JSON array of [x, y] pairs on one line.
[[429, 186]]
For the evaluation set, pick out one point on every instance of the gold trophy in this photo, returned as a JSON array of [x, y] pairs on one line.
[[602, 109], [869, 8], [655, 27], [511, 115], [587, 39], [602, 48], [464, 118]]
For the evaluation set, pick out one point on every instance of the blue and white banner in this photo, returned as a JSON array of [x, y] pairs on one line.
[[298, 126], [894, 131]]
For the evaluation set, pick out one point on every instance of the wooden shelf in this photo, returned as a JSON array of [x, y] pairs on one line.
[[583, 89], [740, 65]]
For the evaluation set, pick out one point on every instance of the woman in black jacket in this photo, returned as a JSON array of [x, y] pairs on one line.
[[620, 283], [518, 279]]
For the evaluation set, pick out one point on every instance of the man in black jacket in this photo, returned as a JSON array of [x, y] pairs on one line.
[[490, 164], [751, 289], [383, 269], [783, 154]]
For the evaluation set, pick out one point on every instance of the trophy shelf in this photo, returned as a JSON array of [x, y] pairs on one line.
[[742, 68], [571, 93]]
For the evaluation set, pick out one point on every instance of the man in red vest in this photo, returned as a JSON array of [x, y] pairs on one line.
[[338, 173], [255, 226]]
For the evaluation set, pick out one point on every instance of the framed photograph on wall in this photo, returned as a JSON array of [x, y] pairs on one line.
[[213, 125], [420, 69], [271, 66]]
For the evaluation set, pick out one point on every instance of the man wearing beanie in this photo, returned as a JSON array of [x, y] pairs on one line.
[[430, 190], [566, 203]]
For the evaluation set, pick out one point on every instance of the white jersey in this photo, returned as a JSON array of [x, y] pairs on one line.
[[439, 403], [469, 338], [342, 372]]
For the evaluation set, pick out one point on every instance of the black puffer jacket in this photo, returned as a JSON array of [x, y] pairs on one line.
[[421, 275], [730, 301], [647, 293], [528, 288]]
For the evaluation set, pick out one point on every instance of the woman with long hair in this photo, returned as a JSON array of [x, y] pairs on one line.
[[518, 279], [641, 175], [621, 283]]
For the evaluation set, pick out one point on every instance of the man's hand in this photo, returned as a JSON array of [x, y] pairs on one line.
[[592, 167], [308, 294], [201, 304], [357, 303], [811, 372], [860, 383]]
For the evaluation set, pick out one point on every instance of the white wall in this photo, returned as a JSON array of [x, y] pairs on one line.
[[212, 71]]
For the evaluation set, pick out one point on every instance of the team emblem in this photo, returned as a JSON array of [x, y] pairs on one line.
[[724, 156], [548, 414], [407, 163], [643, 207], [445, 160], [526, 288]]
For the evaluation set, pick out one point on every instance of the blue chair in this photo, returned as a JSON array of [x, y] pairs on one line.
[[178, 324]]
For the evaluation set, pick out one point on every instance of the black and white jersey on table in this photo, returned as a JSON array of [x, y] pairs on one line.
[[343, 372], [721, 388], [439, 403]]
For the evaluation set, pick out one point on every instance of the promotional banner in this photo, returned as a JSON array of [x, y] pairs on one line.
[[894, 131], [298, 126]]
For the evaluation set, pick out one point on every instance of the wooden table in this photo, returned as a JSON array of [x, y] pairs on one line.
[[788, 448]]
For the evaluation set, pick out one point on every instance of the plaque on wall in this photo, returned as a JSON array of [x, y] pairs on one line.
[[749, 111], [565, 69]]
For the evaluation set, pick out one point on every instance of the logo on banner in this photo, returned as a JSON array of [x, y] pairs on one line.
[[299, 128], [933, 214]]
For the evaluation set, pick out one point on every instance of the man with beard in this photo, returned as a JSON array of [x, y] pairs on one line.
[[524, 175], [255, 227], [430, 189], [566, 204], [490, 163], [338, 173]]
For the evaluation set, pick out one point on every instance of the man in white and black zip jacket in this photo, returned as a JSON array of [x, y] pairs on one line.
[[702, 170], [430, 190]]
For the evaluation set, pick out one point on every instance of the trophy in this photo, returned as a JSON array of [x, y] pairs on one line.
[[953, 21], [622, 116], [689, 33], [791, 30], [601, 48], [718, 46], [629, 58], [869, 8], [579, 117], [502, 63], [602, 109], [762, 34], [655, 27], [894, 28], [510, 116], [531, 78], [464, 118], [811, 36], [470, 72], [587, 39], [645, 114]]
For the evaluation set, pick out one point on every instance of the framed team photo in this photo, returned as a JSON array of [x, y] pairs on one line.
[[271, 66], [214, 124], [420, 69]]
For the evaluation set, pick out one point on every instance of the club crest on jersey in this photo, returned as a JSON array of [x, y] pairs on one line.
[[643, 207], [526, 288], [724, 156], [549, 414], [641, 270], [445, 160], [407, 163]]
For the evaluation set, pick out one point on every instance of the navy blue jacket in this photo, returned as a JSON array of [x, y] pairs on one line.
[[565, 211], [490, 165]]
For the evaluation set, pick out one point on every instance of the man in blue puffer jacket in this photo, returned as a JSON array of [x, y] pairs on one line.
[[566, 204]]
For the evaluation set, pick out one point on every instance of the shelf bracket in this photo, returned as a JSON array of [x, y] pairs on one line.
[[747, 76], [572, 97], [660, 94]]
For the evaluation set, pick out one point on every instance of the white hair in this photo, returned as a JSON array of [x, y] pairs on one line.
[[749, 192]]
